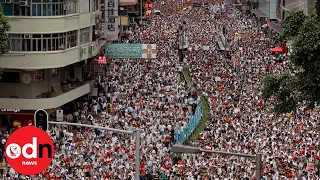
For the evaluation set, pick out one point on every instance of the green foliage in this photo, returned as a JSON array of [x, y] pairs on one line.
[[317, 6], [282, 87], [306, 55], [293, 23], [303, 88], [4, 28]]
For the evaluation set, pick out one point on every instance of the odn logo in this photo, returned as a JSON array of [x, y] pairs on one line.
[[29, 150]]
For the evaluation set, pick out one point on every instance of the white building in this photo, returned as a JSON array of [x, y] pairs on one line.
[[49, 42]]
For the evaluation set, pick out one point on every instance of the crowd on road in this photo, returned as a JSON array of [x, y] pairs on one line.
[[153, 96]]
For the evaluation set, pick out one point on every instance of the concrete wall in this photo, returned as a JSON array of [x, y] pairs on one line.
[[45, 60]]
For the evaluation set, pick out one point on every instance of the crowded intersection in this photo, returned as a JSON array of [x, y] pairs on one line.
[[152, 95]]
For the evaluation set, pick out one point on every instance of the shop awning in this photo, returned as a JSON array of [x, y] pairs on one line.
[[259, 13], [276, 27], [276, 49]]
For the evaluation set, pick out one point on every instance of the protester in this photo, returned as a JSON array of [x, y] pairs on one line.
[[152, 95]]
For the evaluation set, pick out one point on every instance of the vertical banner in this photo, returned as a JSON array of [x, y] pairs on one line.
[[111, 20]]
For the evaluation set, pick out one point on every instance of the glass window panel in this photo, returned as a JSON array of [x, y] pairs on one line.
[[34, 9], [39, 44], [28, 41], [49, 45], [8, 9], [34, 45], [54, 10], [28, 11], [16, 45], [49, 10], [44, 9], [36, 36], [39, 10], [36, 1], [16, 9], [46, 35], [45, 45]]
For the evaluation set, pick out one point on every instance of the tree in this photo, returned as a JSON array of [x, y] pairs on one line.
[[293, 23], [303, 88], [4, 28]]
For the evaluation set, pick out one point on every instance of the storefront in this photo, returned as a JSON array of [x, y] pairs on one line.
[[16, 117]]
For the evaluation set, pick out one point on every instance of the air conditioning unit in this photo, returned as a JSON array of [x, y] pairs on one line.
[[92, 47], [82, 51], [23, 3], [8, 1]]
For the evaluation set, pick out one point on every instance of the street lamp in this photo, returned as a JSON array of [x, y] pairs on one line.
[[193, 150]]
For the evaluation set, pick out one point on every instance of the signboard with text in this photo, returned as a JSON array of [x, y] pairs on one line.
[[147, 51], [148, 6], [110, 27]]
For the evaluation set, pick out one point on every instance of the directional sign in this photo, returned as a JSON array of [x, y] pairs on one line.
[[148, 5], [148, 13]]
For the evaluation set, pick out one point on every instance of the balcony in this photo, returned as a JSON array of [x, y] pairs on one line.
[[70, 94], [51, 24], [48, 59]]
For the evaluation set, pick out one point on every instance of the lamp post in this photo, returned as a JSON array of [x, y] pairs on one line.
[[141, 2], [193, 150], [135, 132]]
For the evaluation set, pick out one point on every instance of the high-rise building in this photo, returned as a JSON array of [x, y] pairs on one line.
[[50, 44]]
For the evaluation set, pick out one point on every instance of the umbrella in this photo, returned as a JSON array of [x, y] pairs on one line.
[[276, 49]]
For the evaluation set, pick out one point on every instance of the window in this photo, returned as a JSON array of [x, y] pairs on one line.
[[84, 6], [15, 42], [94, 36], [40, 8], [41, 42], [84, 35], [72, 39], [10, 77], [71, 7]]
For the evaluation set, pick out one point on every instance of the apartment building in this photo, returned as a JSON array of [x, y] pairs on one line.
[[274, 12], [50, 43]]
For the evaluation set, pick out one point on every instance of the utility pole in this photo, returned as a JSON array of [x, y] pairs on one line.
[[141, 2], [193, 150]]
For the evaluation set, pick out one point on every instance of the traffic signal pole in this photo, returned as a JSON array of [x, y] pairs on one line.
[[177, 148], [135, 132]]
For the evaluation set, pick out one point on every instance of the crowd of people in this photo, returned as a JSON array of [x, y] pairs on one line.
[[153, 96]]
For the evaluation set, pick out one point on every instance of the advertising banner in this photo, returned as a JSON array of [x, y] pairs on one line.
[[146, 51], [111, 28]]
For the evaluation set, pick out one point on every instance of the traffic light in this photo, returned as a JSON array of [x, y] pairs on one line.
[[225, 31], [41, 119]]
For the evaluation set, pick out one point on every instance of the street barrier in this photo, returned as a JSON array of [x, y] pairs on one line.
[[181, 137]]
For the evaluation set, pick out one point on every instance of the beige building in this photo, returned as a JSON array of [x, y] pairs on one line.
[[49, 44]]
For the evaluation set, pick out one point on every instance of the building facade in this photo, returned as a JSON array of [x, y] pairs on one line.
[[274, 12], [50, 43]]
